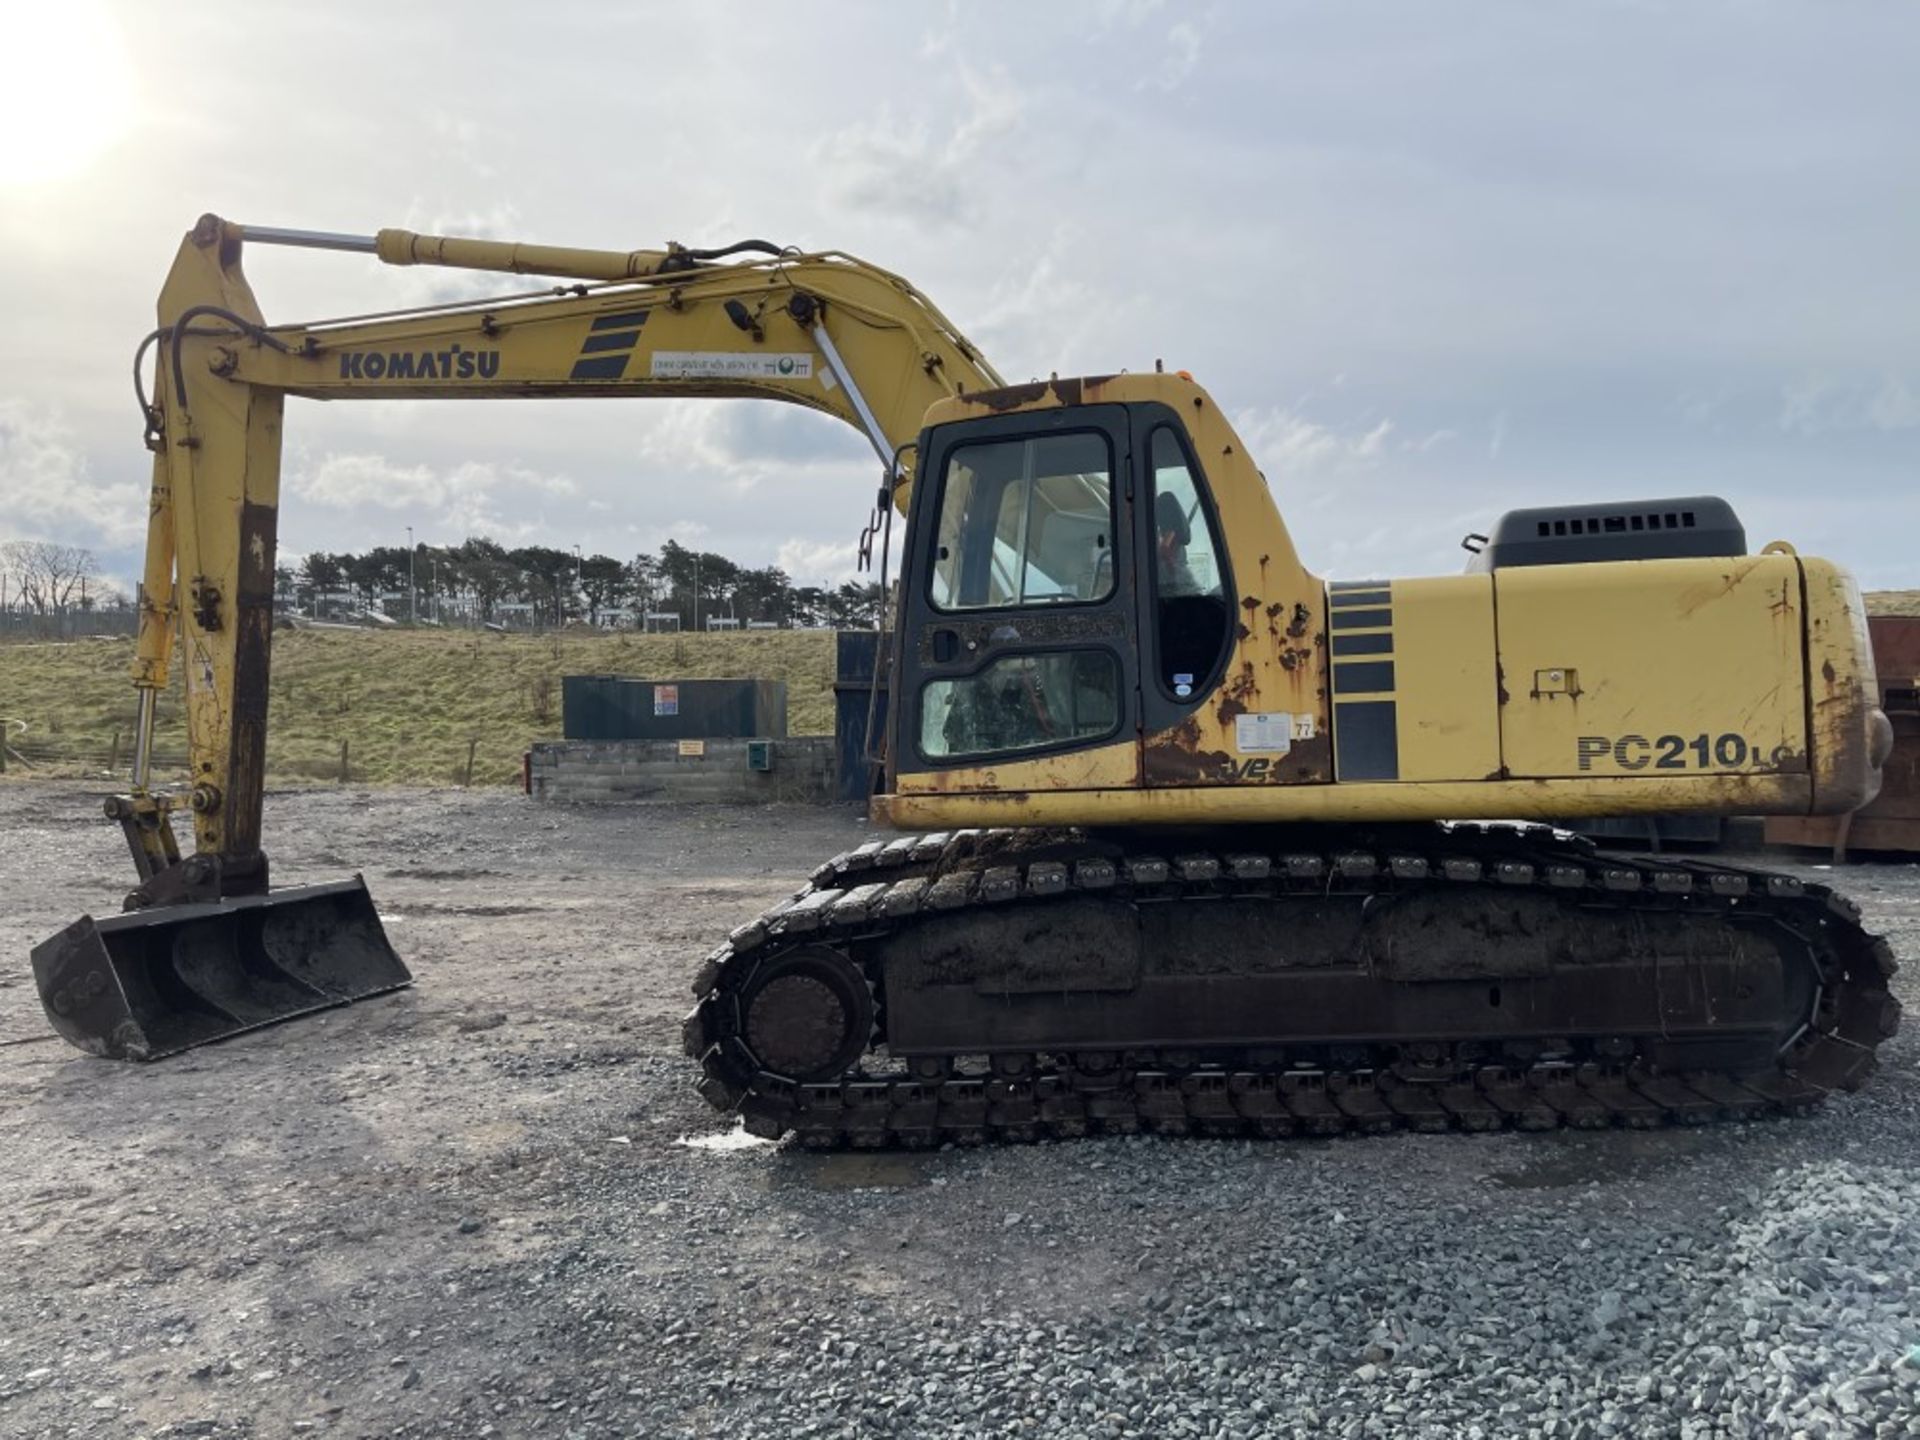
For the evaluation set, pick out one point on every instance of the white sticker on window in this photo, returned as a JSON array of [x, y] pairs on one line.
[[1271, 731]]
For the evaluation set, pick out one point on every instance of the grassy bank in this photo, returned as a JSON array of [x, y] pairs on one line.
[[1894, 602], [406, 702]]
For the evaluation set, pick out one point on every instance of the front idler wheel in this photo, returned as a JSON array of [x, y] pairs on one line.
[[808, 1015]]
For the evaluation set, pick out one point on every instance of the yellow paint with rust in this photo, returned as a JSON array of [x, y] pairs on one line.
[[1104, 767], [1355, 801], [1773, 647], [1849, 737], [1446, 678], [902, 352], [803, 329], [216, 484], [1279, 655], [1749, 677], [1651, 656]]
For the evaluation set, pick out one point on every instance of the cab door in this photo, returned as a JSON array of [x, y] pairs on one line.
[[1016, 656]]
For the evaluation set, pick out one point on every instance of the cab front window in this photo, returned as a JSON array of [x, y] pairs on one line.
[[1024, 523]]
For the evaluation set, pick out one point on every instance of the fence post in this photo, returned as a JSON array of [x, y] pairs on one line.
[[343, 762], [113, 754], [472, 745]]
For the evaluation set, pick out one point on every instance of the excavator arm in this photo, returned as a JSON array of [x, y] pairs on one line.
[[823, 330]]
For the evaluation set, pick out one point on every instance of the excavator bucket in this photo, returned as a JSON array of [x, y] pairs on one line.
[[156, 982]]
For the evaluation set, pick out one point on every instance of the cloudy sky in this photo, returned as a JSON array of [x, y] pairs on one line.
[[1437, 260]]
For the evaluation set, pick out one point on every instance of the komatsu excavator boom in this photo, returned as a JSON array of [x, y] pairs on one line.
[[208, 948], [1186, 866]]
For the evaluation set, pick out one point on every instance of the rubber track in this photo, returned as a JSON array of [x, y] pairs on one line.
[[878, 889]]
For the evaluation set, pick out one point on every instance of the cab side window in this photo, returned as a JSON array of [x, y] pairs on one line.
[[1191, 617]]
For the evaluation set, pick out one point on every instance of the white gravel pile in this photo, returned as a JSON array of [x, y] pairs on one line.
[[1819, 1285], [1404, 1287]]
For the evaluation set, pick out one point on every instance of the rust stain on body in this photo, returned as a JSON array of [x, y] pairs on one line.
[[1237, 695], [1309, 761], [1175, 758], [1696, 597], [1072, 391]]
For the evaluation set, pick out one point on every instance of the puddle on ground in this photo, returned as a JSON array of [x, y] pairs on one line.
[[847, 1170], [1603, 1158], [851, 1170], [795, 1169]]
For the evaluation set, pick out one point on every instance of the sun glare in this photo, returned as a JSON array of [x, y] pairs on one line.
[[66, 88]]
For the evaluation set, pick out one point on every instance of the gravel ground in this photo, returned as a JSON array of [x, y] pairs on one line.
[[493, 1205]]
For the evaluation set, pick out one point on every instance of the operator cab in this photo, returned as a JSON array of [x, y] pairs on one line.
[[1044, 548]]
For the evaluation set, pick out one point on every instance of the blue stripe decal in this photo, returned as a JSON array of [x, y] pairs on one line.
[[1357, 585], [1344, 645], [618, 340], [1368, 677], [631, 320], [1346, 599], [1366, 740], [1361, 619], [611, 367]]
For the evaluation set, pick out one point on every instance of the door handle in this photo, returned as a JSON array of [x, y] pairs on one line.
[[946, 647]]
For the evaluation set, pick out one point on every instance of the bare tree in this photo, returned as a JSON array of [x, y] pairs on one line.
[[47, 577]]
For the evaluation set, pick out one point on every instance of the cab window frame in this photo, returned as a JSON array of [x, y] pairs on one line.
[[1115, 482]]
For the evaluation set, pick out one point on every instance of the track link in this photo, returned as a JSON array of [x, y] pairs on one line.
[[859, 901]]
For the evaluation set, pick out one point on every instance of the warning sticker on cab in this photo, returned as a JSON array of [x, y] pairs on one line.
[[720, 365], [1270, 731]]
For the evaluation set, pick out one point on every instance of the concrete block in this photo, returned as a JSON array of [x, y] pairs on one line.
[[600, 771]]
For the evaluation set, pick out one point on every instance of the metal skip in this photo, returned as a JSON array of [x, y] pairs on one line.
[[155, 982]]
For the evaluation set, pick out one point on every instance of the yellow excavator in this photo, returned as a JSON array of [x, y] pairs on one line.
[[1181, 842]]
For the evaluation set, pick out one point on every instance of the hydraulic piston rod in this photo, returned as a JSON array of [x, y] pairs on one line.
[[309, 239]]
